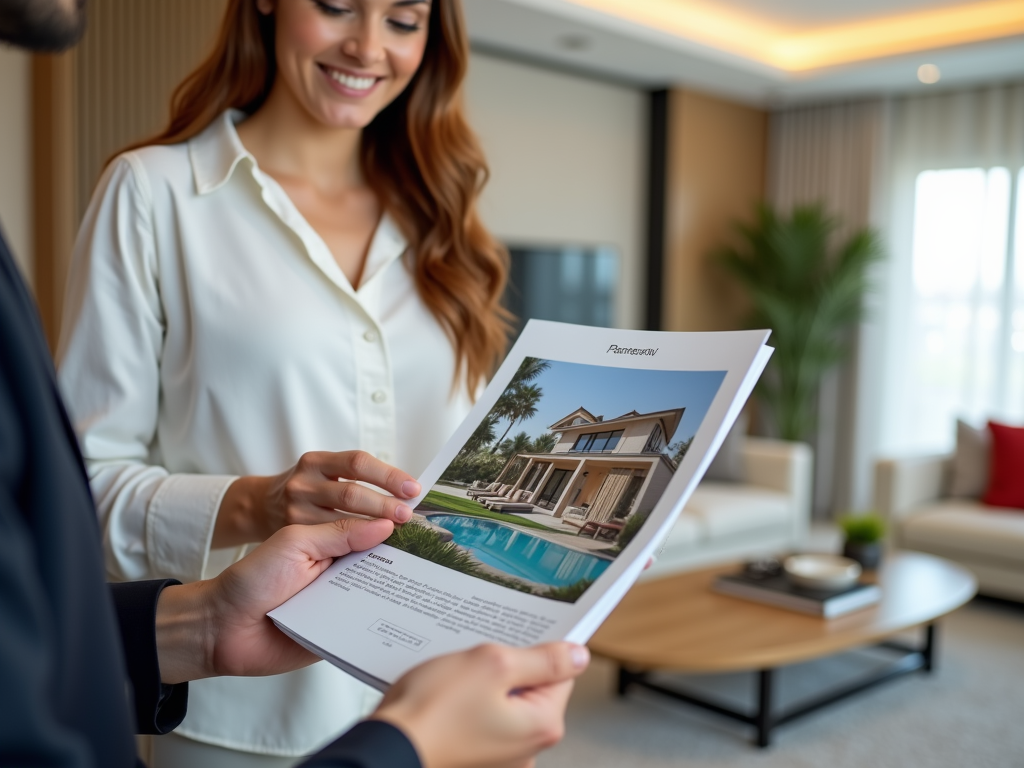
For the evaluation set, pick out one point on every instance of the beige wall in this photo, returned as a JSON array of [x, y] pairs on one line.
[[716, 172], [567, 157], [16, 154]]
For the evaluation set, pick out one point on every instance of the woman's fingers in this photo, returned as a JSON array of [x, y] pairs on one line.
[[357, 499], [364, 467], [312, 491]]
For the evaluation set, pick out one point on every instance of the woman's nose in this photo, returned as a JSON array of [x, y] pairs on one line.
[[364, 43]]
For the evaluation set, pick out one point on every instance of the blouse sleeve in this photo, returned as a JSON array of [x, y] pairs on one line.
[[155, 524]]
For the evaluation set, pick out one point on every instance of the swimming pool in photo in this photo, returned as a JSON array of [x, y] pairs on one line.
[[521, 554]]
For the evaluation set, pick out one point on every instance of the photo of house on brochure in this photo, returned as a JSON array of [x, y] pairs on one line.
[[547, 509], [541, 510]]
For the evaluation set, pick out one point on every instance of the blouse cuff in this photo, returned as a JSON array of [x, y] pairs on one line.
[[179, 524]]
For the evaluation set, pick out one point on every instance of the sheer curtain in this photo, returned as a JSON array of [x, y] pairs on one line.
[[954, 309], [942, 177]]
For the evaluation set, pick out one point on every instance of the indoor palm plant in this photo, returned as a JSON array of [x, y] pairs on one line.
[[809, 291]]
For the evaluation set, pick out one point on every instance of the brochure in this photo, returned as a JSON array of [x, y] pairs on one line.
[[543, 508]]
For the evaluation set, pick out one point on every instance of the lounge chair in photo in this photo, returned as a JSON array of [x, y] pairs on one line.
[[598, 530], [480, 490], [493, 494], [517, 501]]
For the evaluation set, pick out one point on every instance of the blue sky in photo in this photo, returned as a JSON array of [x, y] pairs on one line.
[[611, 392]]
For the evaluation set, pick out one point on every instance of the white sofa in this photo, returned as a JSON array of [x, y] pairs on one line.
[[768, 513], [989, 541]]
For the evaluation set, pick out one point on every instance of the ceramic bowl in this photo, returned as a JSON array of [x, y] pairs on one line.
[[826, 572]]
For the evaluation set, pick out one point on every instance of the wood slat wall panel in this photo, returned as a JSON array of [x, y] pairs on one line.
[[113, 89], [134, 53]]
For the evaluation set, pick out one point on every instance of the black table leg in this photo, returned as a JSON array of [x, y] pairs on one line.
[[764, 717], [928, 652], [626, 679], [764, 708]]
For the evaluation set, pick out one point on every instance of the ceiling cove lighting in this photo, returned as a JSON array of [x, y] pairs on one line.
[[792, 50], [928, 74]]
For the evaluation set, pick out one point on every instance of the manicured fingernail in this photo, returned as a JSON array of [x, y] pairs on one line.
[[403, 514], [580, 656], [410, 488]]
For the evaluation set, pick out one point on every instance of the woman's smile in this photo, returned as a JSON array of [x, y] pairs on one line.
[[349, 84]]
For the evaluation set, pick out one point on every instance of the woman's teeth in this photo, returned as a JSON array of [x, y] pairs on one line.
[[355, 83]]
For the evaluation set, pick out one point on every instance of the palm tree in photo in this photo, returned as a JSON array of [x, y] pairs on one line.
[[520, 404], [482, 435], [545, 443], [521, 443], [529, 369]]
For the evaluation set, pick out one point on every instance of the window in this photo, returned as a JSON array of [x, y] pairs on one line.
[[654, 441], [535, 475], [597, 442], [962, 322]]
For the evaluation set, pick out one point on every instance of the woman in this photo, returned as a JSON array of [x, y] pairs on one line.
[[292, 271]]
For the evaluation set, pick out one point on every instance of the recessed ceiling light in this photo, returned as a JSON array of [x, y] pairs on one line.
[[574, 42], [928, 74]]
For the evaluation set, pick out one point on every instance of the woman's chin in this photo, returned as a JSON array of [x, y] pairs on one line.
[[345, 118]]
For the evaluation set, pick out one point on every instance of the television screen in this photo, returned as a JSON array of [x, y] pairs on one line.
[[569, 284]]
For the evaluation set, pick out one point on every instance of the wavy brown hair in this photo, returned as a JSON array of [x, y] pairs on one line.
[[418, 155]]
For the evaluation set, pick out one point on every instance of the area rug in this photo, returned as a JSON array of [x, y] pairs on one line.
[[968, 712]]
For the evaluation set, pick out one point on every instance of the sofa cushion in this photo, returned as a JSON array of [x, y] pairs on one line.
[[970, 470], [724, 509], [1006, 483], [957, 526]]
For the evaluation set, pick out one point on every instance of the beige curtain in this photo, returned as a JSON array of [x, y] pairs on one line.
[[835, 154], [608, 494]]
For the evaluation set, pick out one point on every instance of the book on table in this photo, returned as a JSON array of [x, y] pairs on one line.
[[544, 506], [781, 592]]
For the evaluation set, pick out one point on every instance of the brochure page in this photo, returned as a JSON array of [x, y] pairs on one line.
[[542, 509]]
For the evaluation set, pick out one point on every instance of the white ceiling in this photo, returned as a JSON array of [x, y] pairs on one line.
[[568, 35]]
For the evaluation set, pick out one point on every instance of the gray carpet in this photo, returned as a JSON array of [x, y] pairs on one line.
[[969, 712]]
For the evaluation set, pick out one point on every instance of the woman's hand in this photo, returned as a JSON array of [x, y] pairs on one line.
[[490, 707], [220, 626], [309, 493]]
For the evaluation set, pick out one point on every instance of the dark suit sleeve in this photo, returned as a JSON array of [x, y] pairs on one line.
[[370, 744], [159, 708], [32, 732]]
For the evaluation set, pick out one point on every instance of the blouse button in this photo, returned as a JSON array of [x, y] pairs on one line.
[[379, 396], [371, 336]]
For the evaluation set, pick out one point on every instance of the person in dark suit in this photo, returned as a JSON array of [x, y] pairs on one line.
[[83, 665]]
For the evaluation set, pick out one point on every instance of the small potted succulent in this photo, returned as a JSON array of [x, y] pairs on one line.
[[864, 534]]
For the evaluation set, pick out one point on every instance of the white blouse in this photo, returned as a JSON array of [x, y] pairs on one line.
[[209, 333]]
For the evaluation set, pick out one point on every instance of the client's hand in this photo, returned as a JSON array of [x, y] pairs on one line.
[[220, 626], [490, 707], [310, 493]]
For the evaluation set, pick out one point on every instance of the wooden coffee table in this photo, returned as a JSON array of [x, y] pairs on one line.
[[677, 624]]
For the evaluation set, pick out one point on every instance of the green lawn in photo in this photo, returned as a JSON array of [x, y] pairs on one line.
[[436, 501]]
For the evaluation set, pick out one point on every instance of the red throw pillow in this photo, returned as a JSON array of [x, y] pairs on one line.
[[1006, 480]]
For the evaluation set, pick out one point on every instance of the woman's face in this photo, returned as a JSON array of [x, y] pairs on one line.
[[345, 60]]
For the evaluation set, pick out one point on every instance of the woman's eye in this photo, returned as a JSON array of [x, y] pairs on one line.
[[403, 26], [329, 10]]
